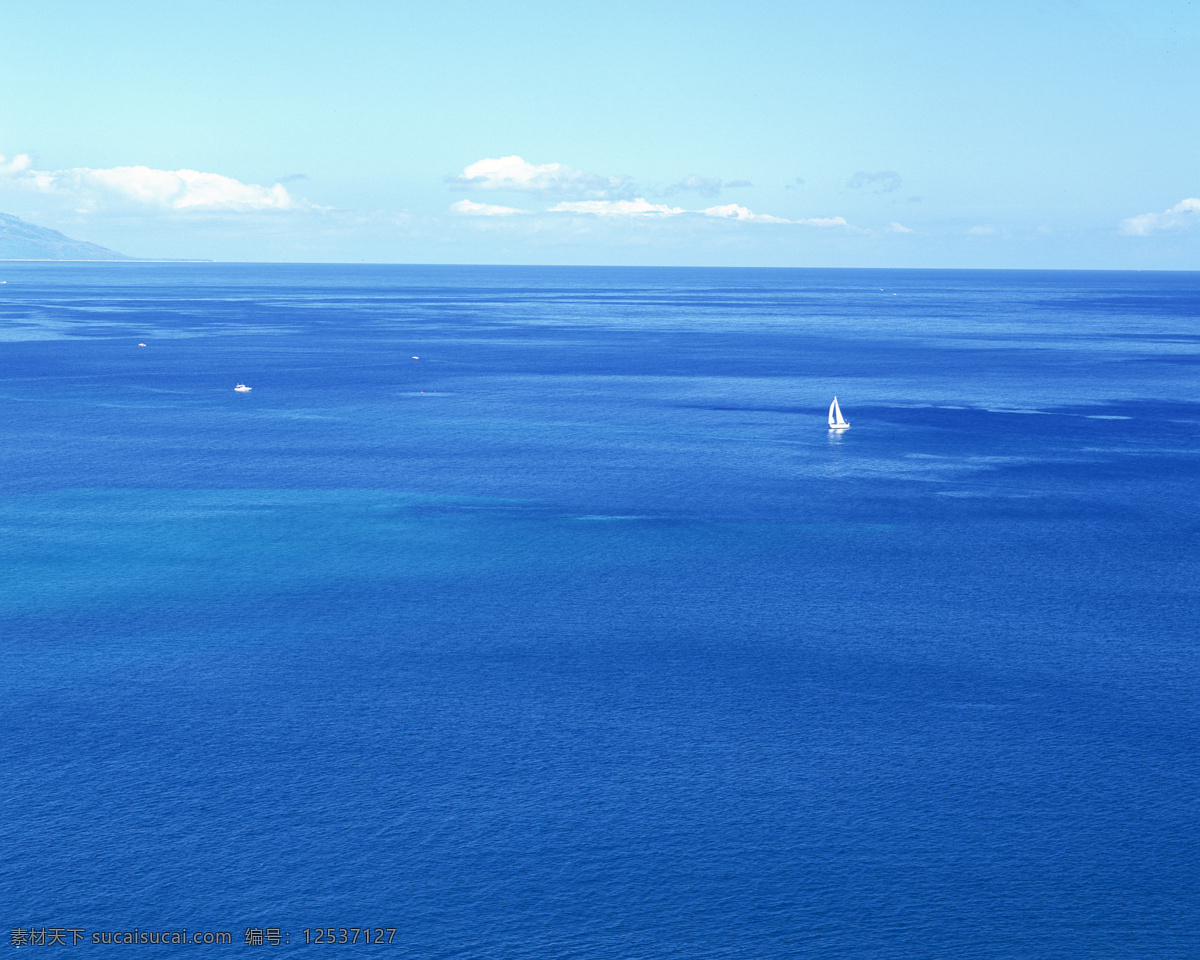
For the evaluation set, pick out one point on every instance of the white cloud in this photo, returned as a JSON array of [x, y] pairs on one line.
[[641, 207], [1182, 215], [472, 209], [981, 231], [825, 222], [597, 196], [732, 211], [900, 228], [619, 208], [552, 179], [145, 187], [18, 164]]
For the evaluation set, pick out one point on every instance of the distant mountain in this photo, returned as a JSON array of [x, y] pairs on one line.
[[25, 241]]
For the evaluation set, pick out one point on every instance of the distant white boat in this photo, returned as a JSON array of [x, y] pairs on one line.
[[835, 417], [242, 388]]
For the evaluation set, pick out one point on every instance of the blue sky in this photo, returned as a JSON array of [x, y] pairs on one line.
[[1056, 134]]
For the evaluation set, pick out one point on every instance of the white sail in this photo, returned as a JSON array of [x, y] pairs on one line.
[[835, 415]]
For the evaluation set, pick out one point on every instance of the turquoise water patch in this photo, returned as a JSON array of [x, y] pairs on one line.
[[141, 545]]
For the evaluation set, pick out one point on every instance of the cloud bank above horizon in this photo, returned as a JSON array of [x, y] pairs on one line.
[[641, 207], [599, 196], [92, 189], [542, 195]]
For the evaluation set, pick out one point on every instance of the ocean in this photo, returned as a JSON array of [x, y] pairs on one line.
[[530, 613]]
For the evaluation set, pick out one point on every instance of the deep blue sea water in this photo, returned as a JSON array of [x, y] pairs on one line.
[[580, 636]]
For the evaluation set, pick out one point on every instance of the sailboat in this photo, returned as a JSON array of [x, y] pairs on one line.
[[835, 417]]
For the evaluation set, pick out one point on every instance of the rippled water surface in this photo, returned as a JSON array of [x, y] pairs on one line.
[[535, 613]]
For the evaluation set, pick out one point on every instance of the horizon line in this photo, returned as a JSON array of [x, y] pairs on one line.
[[584, 266]]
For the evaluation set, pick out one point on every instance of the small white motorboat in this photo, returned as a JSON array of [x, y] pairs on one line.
[[242, 388]]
